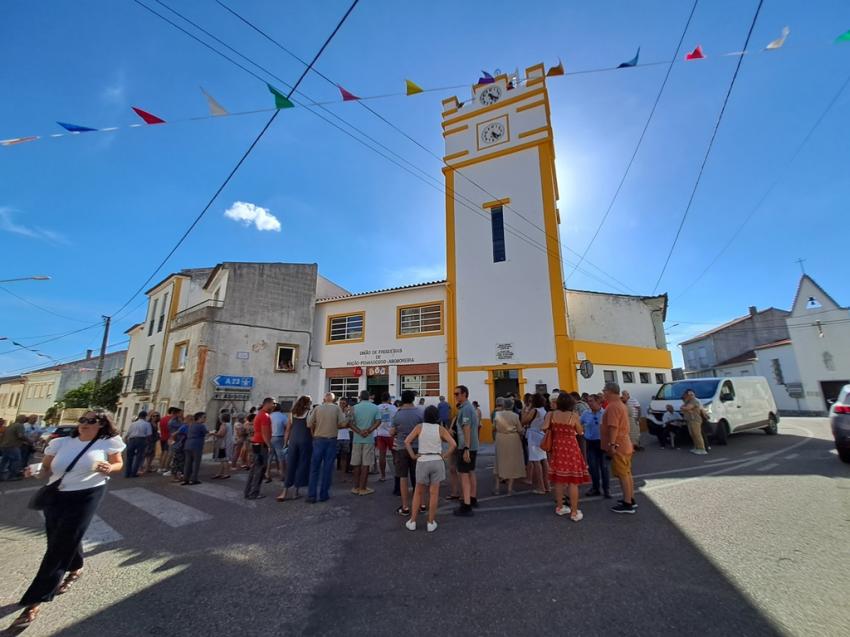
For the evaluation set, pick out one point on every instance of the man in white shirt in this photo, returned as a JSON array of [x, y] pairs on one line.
[[137, 438]]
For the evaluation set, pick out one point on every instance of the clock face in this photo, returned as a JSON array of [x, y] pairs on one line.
[[493, 133], [490, 95]]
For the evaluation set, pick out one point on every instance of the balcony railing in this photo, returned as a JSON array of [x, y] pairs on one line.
[[142, 380], [204, 311]]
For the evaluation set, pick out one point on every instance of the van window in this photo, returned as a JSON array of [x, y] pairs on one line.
[[703, 388], [727, 393]]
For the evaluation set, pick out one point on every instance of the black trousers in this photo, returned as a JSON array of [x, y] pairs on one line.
[[65, 521], [258, 470]]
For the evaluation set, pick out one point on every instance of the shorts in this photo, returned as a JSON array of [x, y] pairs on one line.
[[362, 454], [163, 446], [430, 472], [403, 464], [221, 454], [384, 443], [466, 467], [621, 466]]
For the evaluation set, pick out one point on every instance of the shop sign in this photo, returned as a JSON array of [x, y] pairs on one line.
[[231, 394], [358, 372], [381, 357]]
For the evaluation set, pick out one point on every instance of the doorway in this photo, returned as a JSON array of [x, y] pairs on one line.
[[505, 381], [377, 385]]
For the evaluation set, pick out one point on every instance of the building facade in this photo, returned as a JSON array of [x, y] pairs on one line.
[[11, 392]]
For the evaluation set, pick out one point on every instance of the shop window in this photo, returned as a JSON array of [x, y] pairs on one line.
[[628, 377], [661, 378], [344, 387], [181, 354], [422, 384], [346, 328], [286, 358], [645, 378], [420, 319], [609, 375]]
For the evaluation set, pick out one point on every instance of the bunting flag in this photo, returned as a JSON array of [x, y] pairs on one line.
[[148, 117], [18, 140], [558, 69], [844, 37], [696, 54], [778, 42], [412, 88], [280, 100], [346, 95], [630, 63], [74, 128], [215, 107], [486, 78]]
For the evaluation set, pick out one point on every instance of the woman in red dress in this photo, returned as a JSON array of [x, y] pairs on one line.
[[566, 464]]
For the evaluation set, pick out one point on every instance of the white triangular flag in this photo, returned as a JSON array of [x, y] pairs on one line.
[[778, 42], [215, 107]]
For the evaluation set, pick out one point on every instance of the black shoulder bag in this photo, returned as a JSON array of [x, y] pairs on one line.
[[46, 495]]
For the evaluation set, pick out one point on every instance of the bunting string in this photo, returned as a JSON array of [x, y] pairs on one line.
[[217, 111]]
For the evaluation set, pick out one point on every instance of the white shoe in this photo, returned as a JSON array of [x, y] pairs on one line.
[[562, 511], [432, 526], [578, 516], [699, 452], [411, 525], [167, 473]]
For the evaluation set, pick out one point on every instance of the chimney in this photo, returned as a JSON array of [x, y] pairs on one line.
[[89, 352], [753, 310]]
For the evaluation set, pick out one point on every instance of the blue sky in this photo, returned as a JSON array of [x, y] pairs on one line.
[[98, 212]]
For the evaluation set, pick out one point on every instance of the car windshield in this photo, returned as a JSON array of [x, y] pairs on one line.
[[704, 389]]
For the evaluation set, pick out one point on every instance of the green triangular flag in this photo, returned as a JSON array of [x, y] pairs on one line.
[[844, 37], [280, 100]]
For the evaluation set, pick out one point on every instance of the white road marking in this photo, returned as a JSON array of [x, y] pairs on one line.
[[749, 453], [224, 494], [21, 490], [713, 460], [791, 456], [99, 533], [171, 512], [768, 467]]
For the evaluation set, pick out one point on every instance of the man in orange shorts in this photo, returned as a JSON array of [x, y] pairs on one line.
[[617, 444]]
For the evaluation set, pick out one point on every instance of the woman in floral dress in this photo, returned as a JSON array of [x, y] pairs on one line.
[[566, 464]]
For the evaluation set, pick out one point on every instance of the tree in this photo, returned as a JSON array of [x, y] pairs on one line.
[[104, 397]]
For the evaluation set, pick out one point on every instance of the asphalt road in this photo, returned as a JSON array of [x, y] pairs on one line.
[[749, 540]]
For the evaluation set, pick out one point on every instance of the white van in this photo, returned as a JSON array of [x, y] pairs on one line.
[[733, 404]]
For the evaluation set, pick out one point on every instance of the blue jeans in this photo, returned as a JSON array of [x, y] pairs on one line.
[[596, 465], [278, 452], [10, 463], [324, 455], [135, 456]]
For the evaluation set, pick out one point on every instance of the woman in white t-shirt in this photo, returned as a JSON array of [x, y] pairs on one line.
[[68, 514], [537, 459]]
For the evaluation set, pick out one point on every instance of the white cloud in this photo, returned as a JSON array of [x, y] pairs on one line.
[[8, 224], [248, 213]]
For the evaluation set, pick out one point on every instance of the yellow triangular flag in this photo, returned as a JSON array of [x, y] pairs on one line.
[[778, 42], [413, 88], [215, 107]]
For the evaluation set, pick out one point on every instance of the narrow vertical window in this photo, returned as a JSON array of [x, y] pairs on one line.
[[497, 225]]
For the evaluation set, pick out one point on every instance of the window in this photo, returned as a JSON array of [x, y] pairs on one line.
[[702, 355], [153, 317], [150, 356], [345, 328], [497, 227], [609, 375], [777, 371], [162, 313], [628, 377], [644, 378], [346, 387], [286, 358], [727, 393], [181, 353], [420, 319], [661, 378], [422, 384]]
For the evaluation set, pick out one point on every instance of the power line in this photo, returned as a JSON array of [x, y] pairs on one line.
[[770, 188], [640, 140], [241, 159], [708, 150], [60, 361], [50, 340], [43, 309]]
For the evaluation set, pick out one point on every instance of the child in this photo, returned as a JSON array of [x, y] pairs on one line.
[[430, 467]]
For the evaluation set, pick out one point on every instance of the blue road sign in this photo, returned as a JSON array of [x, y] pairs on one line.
[[243, 382]]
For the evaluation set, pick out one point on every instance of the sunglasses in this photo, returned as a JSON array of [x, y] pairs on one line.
[[89, 421]]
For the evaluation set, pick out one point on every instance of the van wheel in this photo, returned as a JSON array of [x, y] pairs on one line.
[[771, 429], [721, 436], [844, 454]]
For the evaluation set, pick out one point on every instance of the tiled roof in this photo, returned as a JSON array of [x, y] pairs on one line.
[[746, 357], [781, 341], [382, 291]]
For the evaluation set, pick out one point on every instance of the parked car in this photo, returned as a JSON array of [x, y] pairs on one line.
[[733, 404], [839, 419], [54, 432]]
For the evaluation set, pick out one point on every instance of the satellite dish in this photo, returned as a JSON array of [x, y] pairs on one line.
[[586, 369]]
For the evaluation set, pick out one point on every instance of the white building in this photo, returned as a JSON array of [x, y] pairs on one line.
[[11, 390]]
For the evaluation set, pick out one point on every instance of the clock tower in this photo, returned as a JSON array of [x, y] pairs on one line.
[[506, 309]]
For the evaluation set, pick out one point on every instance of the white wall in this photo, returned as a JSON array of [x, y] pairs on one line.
[[39, 392], [790, 374], [612, 318], [643, 392], [11, 394]]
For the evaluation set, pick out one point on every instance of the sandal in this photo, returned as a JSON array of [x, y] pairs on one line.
[[452, 497], [26, 618], [72, 577], [403, 511]]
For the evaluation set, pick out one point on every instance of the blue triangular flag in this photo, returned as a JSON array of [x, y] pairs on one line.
[[632, 62], [486, 78], [74, 128]]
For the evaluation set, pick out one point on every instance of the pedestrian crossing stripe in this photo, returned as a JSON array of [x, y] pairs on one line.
[[100, 533], [224, 494], [170, 512]]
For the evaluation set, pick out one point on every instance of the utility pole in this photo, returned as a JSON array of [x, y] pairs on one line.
[[106, 321]]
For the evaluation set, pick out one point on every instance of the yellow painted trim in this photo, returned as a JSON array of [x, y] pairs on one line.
[[487, 428], [455, 155], [488, 368], [451, 111], [529, 133], [453, 131], [493, 107], [174, 357], [488, 121], [172, 312], [525, 107], [564, 352], [297, 349], [330, 317], [499, 153], [440, 332], [624, 355], [535, 80], [498, 202], [451, 285], [537, 67]]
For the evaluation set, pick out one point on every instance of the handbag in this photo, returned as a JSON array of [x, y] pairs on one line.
[[46, 495], [546, 443]]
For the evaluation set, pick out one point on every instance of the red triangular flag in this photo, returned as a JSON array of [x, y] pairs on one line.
[[346, 96], [149, 119], [696, 54]]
